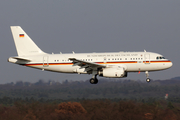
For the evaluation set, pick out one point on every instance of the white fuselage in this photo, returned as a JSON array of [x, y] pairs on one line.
[[131, 61]]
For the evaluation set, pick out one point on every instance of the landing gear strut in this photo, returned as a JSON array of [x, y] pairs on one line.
[[94, 79], [147, 77]]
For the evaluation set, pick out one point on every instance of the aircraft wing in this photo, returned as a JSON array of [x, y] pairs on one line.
[[87, 65]]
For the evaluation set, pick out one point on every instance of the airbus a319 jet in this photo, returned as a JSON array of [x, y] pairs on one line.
[[111, 65]]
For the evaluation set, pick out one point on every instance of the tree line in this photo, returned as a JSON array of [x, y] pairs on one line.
[[113, 89], [91, 110], [76, 100]]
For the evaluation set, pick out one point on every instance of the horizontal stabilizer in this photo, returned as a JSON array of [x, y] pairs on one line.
[[22, 58]]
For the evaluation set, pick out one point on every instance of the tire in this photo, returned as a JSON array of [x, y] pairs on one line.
[[96, 81], [148, 80], [92, 81]]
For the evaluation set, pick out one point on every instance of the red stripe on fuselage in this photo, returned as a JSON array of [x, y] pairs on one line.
[[118, 62]]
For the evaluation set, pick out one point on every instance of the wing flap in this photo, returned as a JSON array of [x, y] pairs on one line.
[[87, 65]]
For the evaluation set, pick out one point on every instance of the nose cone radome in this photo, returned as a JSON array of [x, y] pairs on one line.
[[170, 64], [167, 64]]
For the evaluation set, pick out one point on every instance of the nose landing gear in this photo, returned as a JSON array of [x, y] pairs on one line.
[[148, 80], [147, 77]]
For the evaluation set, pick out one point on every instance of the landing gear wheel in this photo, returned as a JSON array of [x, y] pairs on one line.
[[148, 80], [147, 76], [93, 81], [96, 81]]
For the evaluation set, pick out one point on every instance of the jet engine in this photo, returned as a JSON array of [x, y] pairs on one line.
[[113, 72]]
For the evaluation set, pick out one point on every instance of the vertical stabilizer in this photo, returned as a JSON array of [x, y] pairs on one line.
[[24, 44]]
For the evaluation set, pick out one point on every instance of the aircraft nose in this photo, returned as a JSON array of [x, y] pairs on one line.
[[170, 64]]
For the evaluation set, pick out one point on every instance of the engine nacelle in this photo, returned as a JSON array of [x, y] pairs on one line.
[[113, 72], [80, 71]]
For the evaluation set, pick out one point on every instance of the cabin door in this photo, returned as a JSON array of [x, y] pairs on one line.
[[147, 58], [45, 61]]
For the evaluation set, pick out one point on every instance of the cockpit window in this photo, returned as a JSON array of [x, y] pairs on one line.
[[160, 57]]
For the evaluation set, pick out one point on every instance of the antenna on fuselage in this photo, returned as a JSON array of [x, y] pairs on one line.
[[144, 50]]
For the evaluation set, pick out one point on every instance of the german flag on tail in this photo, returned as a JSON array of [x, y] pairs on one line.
[[21, 35]]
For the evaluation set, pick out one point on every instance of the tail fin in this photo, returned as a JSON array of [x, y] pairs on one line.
[[24, 44]]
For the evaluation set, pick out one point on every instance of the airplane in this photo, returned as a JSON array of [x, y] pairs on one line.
[[110, 65]]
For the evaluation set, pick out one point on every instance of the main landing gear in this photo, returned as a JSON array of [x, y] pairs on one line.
[[94, 79], [147, 77]]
